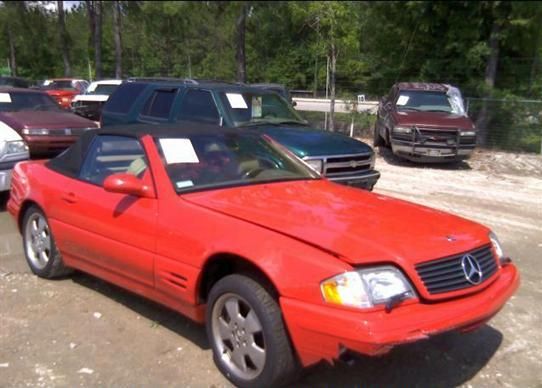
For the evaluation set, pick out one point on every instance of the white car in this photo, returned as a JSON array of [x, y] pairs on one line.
[[12, 150], [89, 104]]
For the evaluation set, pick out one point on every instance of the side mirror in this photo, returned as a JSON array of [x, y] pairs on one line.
[[294, 103], [127, 184]]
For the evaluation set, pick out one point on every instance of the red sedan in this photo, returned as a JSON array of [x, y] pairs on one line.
[[228, 228]]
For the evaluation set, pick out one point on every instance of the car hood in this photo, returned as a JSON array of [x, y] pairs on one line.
[[432, 119], [45, 119], [314, 142], [356, 225]]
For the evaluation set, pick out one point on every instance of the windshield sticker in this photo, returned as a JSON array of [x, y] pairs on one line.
[[402, 100], [236, 101], [178, 151], [256, 106], [183, 184], [5, 97]]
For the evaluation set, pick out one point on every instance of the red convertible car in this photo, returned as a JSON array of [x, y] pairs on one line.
[[230, 229]]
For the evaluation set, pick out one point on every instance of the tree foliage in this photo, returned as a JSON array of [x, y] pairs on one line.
[[378, 43]]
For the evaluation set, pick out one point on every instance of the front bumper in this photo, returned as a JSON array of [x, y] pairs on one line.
[[365, 181], [321, 332], [49, 144], [426, 153]]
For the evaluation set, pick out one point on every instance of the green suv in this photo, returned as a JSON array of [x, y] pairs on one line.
[[336, 156]]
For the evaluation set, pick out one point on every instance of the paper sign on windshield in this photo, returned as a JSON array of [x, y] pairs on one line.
[[402, 100], [256, 106], [5, 97], [236, 101], [178, 151], [183, 184]]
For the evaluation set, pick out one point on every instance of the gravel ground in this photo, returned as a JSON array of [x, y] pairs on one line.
[[80, 331]]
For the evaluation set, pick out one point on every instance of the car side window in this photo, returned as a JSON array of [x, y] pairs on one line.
[[122, 100], [109, 155], [199, 105], [159, 103]]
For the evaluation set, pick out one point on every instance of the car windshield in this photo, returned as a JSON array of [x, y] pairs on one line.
[[225, 159], [106, 89], [20, 101], [425, 101], [253, 108], [59, 85]]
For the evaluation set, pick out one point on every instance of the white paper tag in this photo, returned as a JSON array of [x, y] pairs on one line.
[[46, 82], [236, 101], [178, 151], [5, 97], [402, 100], [183, 184]]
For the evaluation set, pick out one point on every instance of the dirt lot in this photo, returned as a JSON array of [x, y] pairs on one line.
[[80, 331]]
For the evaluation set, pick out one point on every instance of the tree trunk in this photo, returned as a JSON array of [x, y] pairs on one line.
[[98, 40], [118, 38], [64, 39], [12, 56], [91, 12], [490, 76], [333, 55], [240, 43]]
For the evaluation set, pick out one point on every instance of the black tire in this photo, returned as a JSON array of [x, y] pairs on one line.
[[377, 139], [280, 364], [49, 264]]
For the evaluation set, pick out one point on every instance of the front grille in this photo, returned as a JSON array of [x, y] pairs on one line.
[[347, 165], [436, 137], [67, 131], [446, 274]]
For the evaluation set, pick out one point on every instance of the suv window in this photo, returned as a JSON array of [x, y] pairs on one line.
[[159, 103], [199, 105], [109, 155], [124, 97]]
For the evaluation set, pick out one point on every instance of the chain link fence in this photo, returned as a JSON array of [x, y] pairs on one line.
[[512, 125]]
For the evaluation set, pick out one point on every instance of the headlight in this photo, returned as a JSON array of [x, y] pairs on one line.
[[316, 164], [367, 287], [35, 131], [16, 147], [467, 133], [496, 245], [402, 130]]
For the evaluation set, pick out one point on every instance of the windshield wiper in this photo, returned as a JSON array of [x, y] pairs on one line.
[[292, 122], [438, 110], [274, 123], [408, 108]]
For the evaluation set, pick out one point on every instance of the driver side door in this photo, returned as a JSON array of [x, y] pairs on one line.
[[113, 235]]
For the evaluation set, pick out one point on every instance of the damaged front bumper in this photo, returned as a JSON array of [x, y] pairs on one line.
[[323, 332]]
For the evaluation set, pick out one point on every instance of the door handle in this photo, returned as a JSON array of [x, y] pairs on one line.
[[69, 197]]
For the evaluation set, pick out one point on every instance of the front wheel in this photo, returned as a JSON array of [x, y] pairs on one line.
[[377, 139], [40, 250], [245, 328]]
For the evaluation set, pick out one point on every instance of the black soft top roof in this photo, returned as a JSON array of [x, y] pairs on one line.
[[69, 162]]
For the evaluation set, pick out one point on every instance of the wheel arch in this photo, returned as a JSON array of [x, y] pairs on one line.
[[27, 204], [222, 264]]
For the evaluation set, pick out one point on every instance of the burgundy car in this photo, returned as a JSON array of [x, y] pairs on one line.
[[425, 122], [45, 127]]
